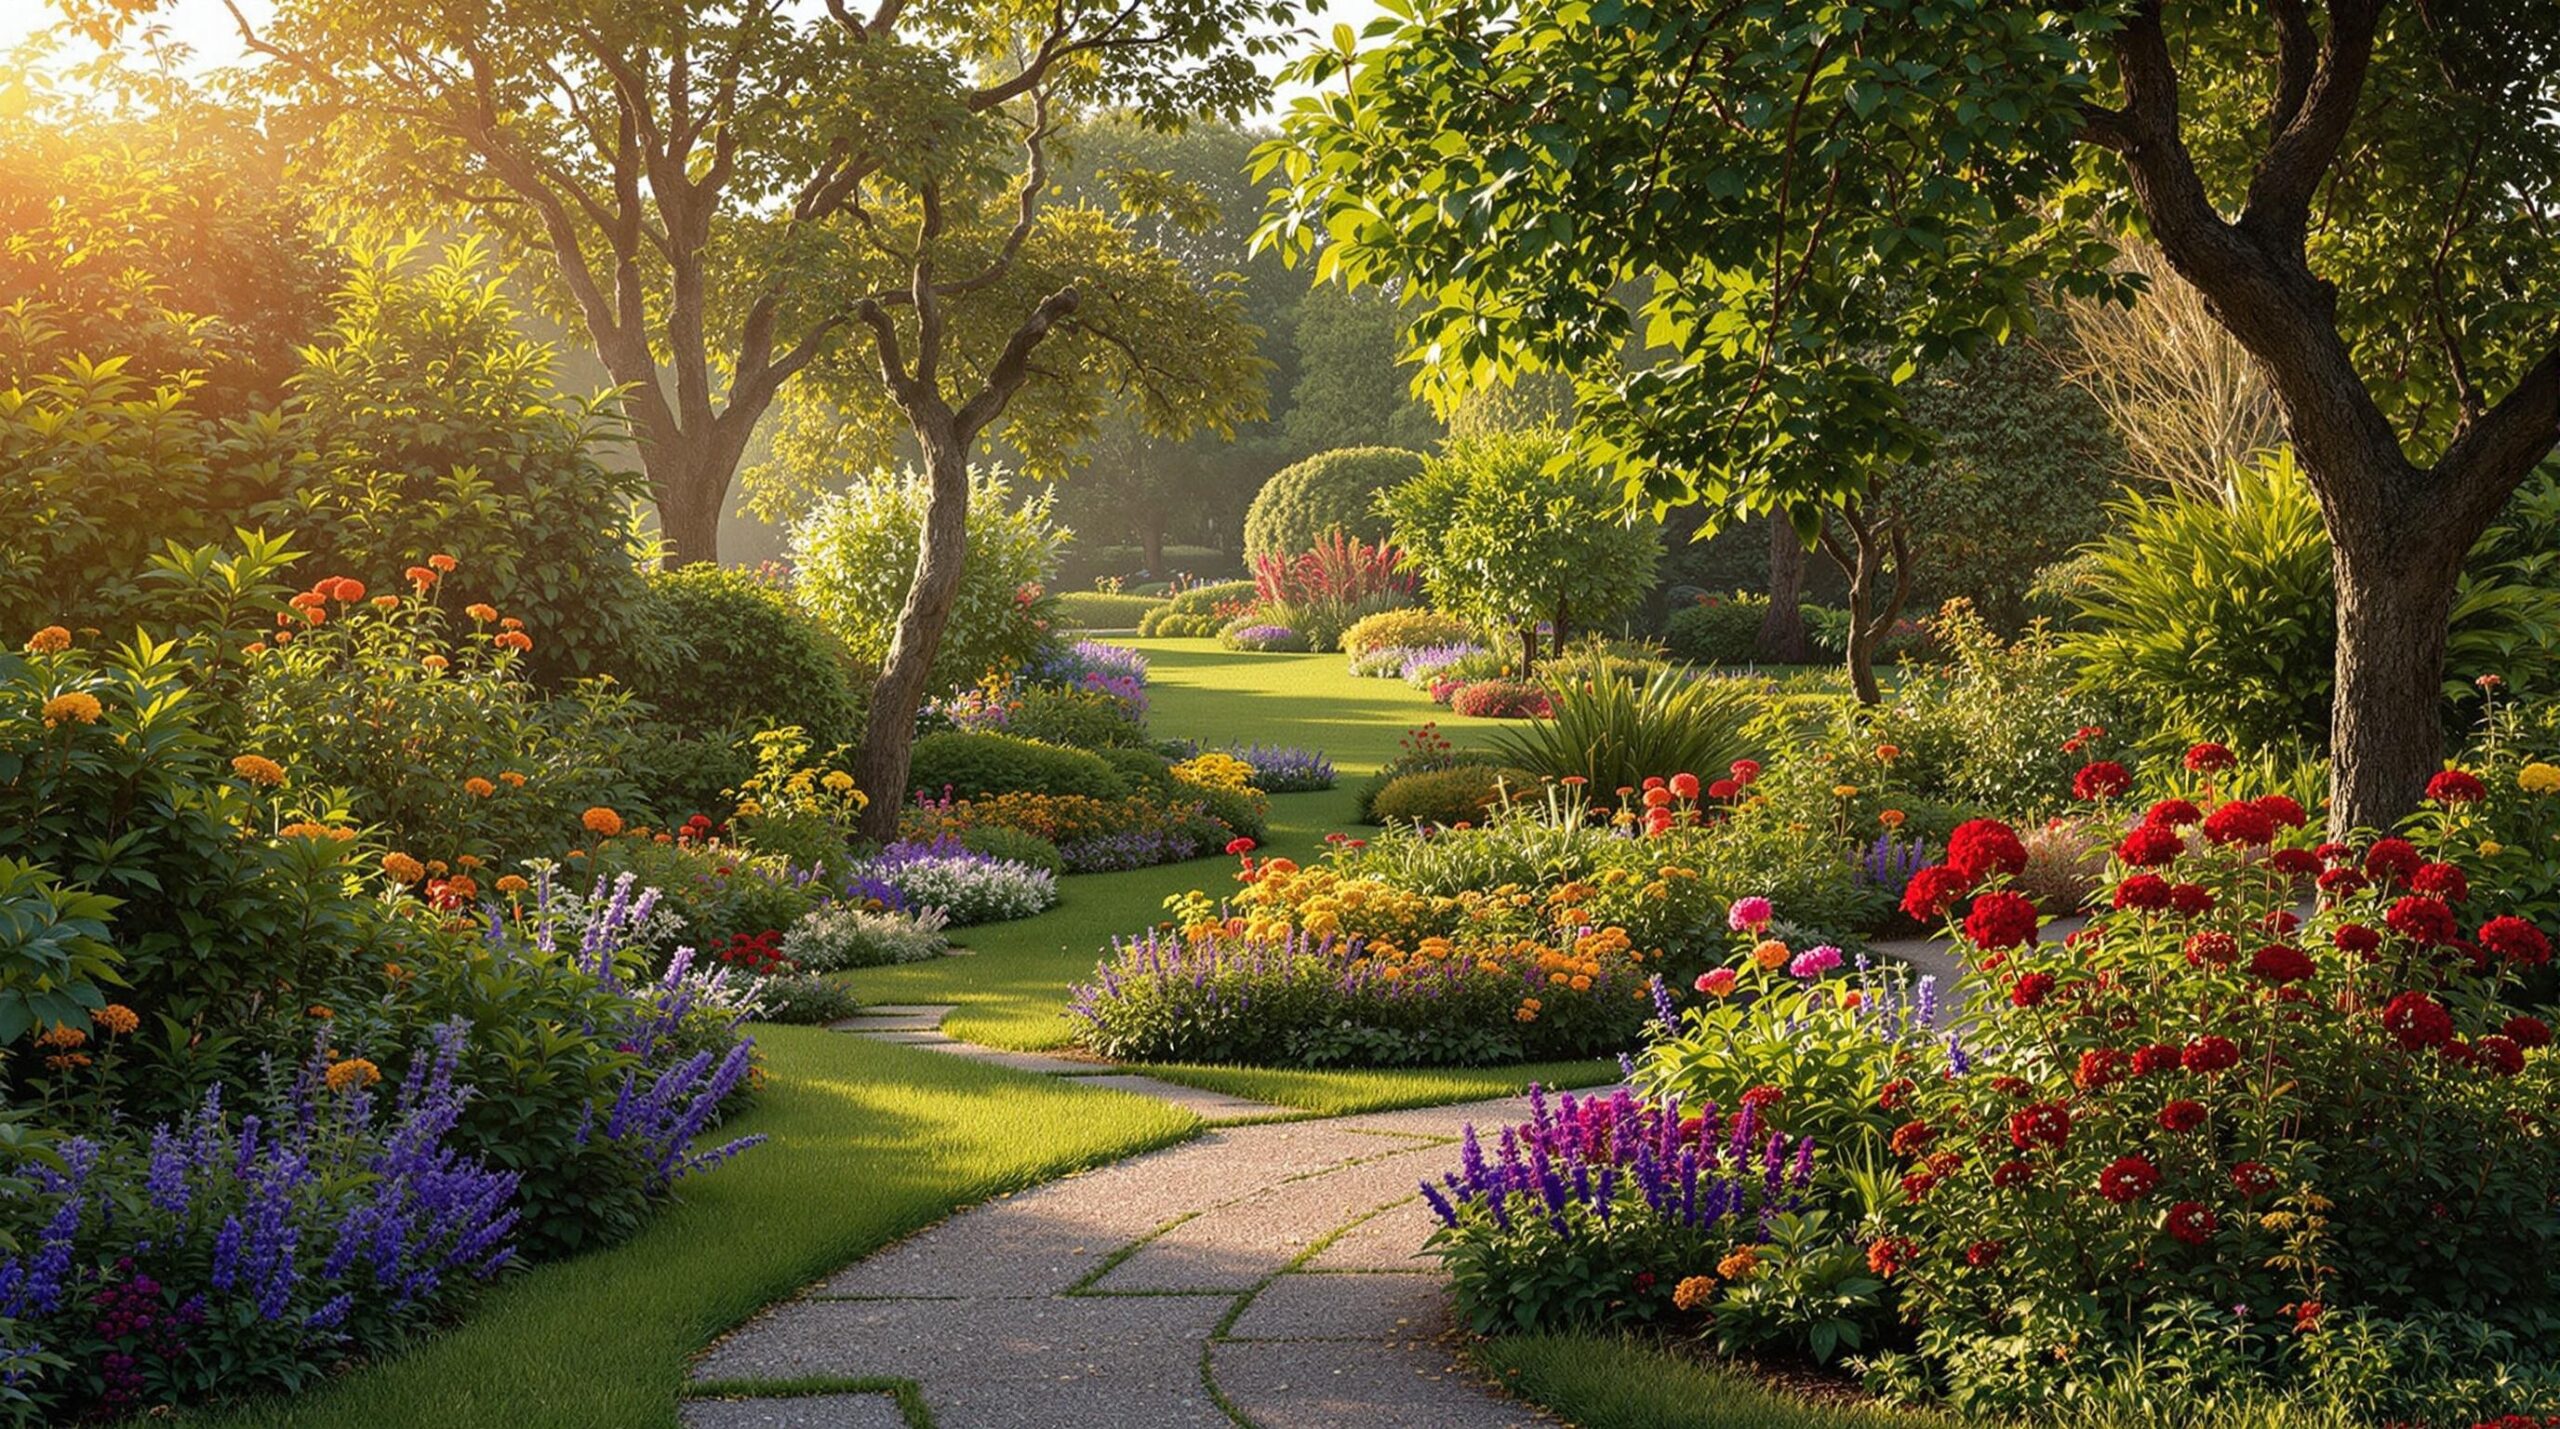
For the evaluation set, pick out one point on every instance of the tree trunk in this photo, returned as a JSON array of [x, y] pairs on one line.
[[888, 737], [1862, 559], [1151, 536], [689, 514], [1562, 610], [1528, 648], [1782, 636], [2386, 733]]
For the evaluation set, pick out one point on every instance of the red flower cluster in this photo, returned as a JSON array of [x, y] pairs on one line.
[[2391, 859], [2193, 1222], [2043, 1124], [2128, 1179], [2417, 1021], [2422, 920], [1980, 848], [2209, 1054], [758, 953], [2280, 964], [2182, 1115], [1932, 891], [2455, 786], [2239, 823], [2515, 940], [2030, 990], [2101, 779], [2150, 846], [2207, 757], [2000, 920]]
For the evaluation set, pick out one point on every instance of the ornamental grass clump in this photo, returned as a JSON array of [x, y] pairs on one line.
[[968, 887]]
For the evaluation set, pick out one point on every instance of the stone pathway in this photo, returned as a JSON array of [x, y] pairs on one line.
[[1263, 1276], [919, 1025]]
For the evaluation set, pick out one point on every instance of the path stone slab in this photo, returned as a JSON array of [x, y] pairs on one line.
[[909, 1009], [933, 1036], [1320, 1385], [1385, 1309], [808, 1411], [1206, 1104], [1390, 1240], [1031, 1364], [1236, 1246]]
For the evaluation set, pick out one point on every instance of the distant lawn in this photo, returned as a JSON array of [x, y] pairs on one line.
[[869, 1143]]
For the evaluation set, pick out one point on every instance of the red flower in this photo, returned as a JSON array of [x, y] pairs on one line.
[[1240, 846], [2209, 758], [2192, 900], [2391, 858], [2252, 1178], [2500, 1054], [1723, 789], [2528, 1031], [2342, 883], [2128, 1179], [1745, 770], [2001, 920], [2030, 990], [2172, 814], [2295, 862], [2279, 922], [2144, 892], [2422, 920], [1891, 1255], [2098, 1067], [2193, 1222], [2443, 880], [1763, 1096], [2238, 823], [1912, 1137], [1932, 891], [2012, 1173], [2218, 948], [2153, 1058], [2209, 1054], [2417, 1021], [2182, 1115], [2044, 1123], [1893, 1094], [2280, 964], [2284, 809], [1684, 786], [2355, 939], [2454, 786], [2101, 779], [2515, 940], [1982, 1253], [2150, 846], [1980, 848]]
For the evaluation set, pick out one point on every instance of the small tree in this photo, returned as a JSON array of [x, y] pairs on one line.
[[1507, 531]]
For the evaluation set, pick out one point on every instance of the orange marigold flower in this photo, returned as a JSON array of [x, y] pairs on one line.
[[1769, 954], [1692, 1291], [403, 868], [511, 779], [352, 1073], [1741, 1265], [1891, 818], [515, 640], [468, 860], [76, 707], [481, 610], [64, 1062], [62, 1035], [436, 663], [511, 623], [258, 769], [395, 972], [512, 883], [386, 602], [347, 589], [117, 1018], [322, 1011], [52, 640], [437, 867], [420, 576], [478, 788], [442, 562], [601, 820]]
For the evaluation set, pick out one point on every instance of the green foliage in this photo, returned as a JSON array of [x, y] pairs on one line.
[[856, 555], [738, 655], [1717, 629], [1615, 732], [1301, 505], [435, 425], [843, 935], [1987, 726], [1350, 391], [1461, 794], [973, 766], [1510, 529], [53, 951], [1104, 610], [999, 841], [1411, 625], [1073, 718], [1199, 611]]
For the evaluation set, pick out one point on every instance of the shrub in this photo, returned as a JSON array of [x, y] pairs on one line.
[[1207, 995], [1411, 626], [1074, 719], [1324, 591], [856, 554], [1013, 846], [1465, 793], [740, 656], [1502, 699], [965, 887], [975, 765], [1717, 629], [1096, 667], [804, 999], [2066, 863], [1324, 495], [1422, 748], [1104, 610], [1251, 633], [1614, 732], [1091, 835], [844, 935], [1996, 724], [715, 891], [1199, 611]]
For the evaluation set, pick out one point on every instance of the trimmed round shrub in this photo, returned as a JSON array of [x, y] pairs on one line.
[[1253, 633], [973, 766], [1718, 630], [1146, 770], [1328, 492], [1501, 699], [1414, 627], [739, 655], [1013, 846], [1459, 795], [1199, 611]]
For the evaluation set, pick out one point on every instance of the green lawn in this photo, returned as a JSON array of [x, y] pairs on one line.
[[1605, 1383], [869, 1142], [1344, 1093]]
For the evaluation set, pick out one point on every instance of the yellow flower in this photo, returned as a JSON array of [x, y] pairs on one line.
[[2539, 778], [52, 640], [79, 707], [403, 868], [602, 821], [2491, 848], [353, 1072], [1844, 791], [838, 782], [258, 769], [1692, 1292]]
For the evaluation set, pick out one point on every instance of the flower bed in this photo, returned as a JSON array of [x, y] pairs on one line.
[[963, 886]]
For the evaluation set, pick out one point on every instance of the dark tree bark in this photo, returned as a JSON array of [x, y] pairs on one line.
[[1876, 597], [1563, 609], [1782, 635], [2399, 530]]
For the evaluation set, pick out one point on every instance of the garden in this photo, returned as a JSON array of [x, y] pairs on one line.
[[1864, 740]]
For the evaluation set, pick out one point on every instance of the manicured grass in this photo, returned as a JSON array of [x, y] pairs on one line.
[[869, 1142], [1104, 610], [1342, 1093], [1608, 1383], [1013, 992]]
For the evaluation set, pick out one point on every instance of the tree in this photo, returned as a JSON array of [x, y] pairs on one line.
[[1507, 531], [1819, 202], [1350, 391]]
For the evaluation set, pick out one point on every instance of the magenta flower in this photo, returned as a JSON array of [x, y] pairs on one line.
[[1749, 915]]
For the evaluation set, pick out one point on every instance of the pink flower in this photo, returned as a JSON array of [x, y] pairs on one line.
[[1814, 962], [1749, 915]]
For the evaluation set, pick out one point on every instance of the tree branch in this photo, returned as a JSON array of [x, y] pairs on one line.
[[1009, 371]]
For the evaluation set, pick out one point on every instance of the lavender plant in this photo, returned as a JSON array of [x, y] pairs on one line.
[[968, 887], [1285, 769]]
